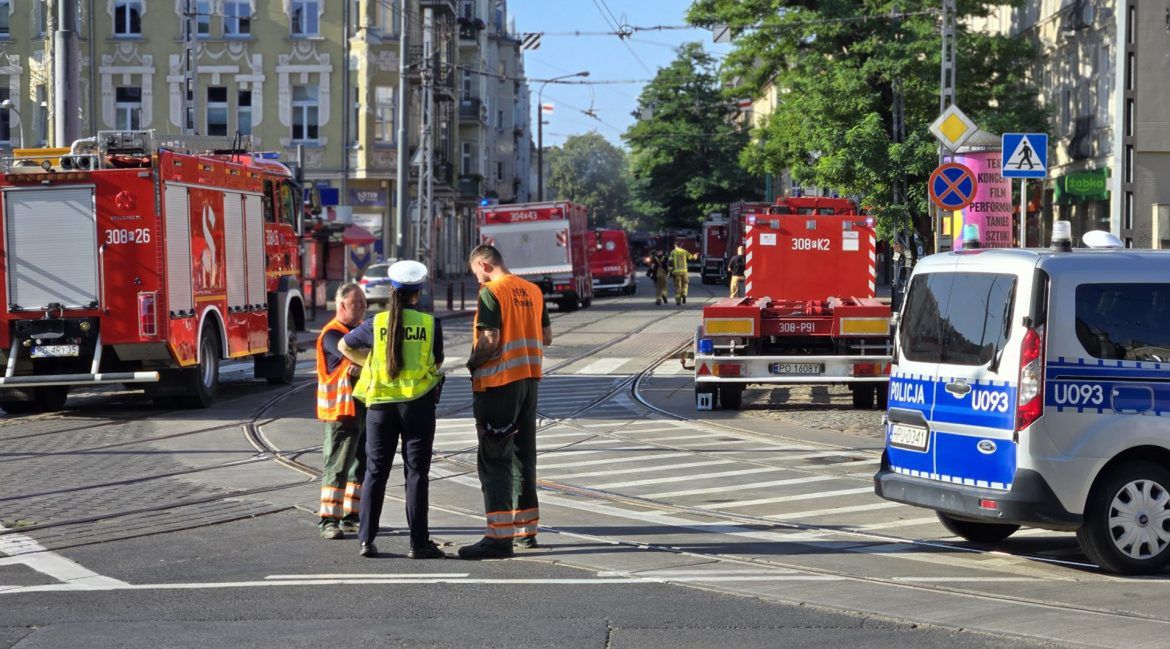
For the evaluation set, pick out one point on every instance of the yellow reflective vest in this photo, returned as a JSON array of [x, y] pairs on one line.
[[419, 372], [678, 258]]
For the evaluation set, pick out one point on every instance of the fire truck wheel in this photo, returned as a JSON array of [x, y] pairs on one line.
[[44, 399], [289, 365], [568, 304], [863, 396], [203, 381], [730, 397], [883, 397]]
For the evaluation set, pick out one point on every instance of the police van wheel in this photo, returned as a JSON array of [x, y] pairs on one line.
[[863, 396], [977, 532], [1126, 528], [730, 397]]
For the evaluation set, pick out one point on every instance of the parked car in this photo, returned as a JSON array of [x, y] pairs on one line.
[[375, 283]]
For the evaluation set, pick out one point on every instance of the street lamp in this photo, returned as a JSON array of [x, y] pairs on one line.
[[11, 107], [540, 131]]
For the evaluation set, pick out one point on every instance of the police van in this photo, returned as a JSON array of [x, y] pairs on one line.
[[1032, 387]]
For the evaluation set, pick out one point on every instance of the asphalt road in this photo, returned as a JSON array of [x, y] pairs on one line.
[[130, 526]]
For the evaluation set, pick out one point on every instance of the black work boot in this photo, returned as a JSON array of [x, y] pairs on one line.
[[487, 549], [525, 542]]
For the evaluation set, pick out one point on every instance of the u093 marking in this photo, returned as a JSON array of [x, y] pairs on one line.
[[1078, 394], [119, 236], [990, 401]]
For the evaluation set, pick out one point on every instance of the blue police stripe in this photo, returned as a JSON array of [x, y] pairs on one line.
[[957, 459]]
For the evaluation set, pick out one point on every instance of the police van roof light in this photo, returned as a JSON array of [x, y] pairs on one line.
[[1101, 239], [969, 236], [1062, 236]]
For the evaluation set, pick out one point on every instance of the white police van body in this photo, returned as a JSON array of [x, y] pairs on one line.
[[1032, 387]]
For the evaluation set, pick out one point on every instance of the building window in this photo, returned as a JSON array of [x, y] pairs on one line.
[[355, 121], [42, 115], [128, 108], [465, 162], [466, 82], [467, 8], [127, 17], [304, 108], [384, 114], [244, 112], [386, 18], [5, 19], [217, 111], [41, 19], [203, 19], [304, 17], [237, 18], [499, 171]]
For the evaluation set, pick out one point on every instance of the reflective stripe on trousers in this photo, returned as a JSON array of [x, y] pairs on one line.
[[513, 523], [332, 502], [353, 498]]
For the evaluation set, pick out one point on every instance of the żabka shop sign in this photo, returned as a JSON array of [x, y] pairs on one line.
[[1089, 185]]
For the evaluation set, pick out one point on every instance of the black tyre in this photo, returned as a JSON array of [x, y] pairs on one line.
[[1126, 528], [730, 397], [568, 304], [863, 396], [977, 532], [883, 396], [202, 381], [288, 361], [44, 399]]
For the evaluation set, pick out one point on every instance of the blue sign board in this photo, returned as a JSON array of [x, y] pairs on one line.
[[1024, 155], [952, 186]]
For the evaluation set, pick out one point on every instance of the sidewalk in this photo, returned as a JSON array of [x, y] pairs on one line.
[[463, 291]]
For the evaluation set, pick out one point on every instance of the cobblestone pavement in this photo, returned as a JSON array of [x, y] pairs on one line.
[[823, 407]]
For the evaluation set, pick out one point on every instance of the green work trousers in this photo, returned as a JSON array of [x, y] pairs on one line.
[[344, 449], [505, 418]]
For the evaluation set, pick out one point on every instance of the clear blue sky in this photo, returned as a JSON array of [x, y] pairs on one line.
[[605, 57]]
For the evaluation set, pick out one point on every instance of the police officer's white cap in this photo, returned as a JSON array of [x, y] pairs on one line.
[[407, 274]]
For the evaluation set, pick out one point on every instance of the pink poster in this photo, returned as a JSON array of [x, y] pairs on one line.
[[992, 208]]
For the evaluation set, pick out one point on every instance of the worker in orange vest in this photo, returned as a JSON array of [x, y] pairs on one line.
[[344, 444], [512, 328]]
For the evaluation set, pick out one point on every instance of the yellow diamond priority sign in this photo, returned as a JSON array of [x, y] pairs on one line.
[[952, 128]]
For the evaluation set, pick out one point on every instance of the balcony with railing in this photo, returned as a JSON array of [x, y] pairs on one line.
[[472, 109]]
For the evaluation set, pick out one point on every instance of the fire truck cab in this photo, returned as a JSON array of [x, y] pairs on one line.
[[138, 259]]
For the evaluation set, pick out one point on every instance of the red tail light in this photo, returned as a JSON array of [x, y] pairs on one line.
[[147, 315], [1030, 399], [363, 281]]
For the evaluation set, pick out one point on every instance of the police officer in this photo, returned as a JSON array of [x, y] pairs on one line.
[[659, 273], [344, 444], [400, 351], [512, 327], [678, 264]]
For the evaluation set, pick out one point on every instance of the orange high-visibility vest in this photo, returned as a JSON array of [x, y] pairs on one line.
[[334, 391], [521, 336]]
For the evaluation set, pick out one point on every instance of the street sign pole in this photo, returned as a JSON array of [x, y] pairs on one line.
[[1023, 212]]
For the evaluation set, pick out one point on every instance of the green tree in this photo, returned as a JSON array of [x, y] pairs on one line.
[[587, 169], [837, 66], [684, 150]]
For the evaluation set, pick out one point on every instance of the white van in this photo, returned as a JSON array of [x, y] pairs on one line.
[[1032, 387]]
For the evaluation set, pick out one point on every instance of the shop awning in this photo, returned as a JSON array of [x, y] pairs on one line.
[[356, 235]]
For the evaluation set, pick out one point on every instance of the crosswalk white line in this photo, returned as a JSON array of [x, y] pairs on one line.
[[792, 498], [738, 487], [639, 470], [683, 478], [812, 513], [602, 366], [675, 438], [540, 466]]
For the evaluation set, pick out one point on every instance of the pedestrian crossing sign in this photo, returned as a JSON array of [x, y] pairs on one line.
[[1024, 155]]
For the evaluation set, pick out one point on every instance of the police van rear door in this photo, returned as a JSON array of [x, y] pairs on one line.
[[963, 320]]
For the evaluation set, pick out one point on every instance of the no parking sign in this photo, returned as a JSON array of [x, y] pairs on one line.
[[952, 186]]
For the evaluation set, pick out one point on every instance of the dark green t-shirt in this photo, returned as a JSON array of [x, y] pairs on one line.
[[488, 312]]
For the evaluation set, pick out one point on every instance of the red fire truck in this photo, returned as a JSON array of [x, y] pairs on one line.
[[546, 243], [610, 262], [132, 259], [810, 315], [714, 255]]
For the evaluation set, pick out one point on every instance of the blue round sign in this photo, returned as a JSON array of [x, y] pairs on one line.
[[952, 186]]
